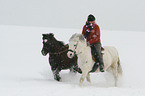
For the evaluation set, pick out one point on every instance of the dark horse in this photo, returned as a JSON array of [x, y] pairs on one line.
[[58, 58]]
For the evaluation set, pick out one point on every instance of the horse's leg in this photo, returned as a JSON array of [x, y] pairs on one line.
[[84, 75], [72, 70], [56, 74], [115, 72], [88, 77], [76, 69]]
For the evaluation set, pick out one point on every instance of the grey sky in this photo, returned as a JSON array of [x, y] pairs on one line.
[[126, 15]]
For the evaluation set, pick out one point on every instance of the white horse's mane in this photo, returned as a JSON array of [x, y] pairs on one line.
[[80, 37]]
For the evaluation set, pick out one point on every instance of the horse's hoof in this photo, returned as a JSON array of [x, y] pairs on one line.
[[58, 79]]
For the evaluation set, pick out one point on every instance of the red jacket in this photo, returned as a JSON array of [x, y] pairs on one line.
[[94, 36]]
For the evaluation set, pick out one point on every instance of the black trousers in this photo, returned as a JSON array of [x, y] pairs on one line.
[[96, 52]]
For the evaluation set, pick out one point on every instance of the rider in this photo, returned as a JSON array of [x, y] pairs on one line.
[[91, 32]]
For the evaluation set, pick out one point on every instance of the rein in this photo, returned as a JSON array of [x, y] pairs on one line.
[[75, 49], [59, 52]]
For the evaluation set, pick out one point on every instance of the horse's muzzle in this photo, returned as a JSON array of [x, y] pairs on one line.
[[43, 53], [70, 54]]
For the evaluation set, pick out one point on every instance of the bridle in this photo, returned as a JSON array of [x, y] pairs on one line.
[[74, 51], [59, 52]]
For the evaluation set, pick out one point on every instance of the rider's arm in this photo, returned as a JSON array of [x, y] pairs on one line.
[[84, 30]]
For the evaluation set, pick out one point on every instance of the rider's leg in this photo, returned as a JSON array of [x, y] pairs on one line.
[[99, 56], [94, 53]]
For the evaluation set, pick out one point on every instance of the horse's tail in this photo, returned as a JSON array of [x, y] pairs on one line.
[[119, 67]]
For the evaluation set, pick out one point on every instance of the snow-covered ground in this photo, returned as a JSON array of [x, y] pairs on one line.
[[25, 72]]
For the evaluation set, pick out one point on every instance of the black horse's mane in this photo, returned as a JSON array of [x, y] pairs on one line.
[[51, 35], [61, 43]]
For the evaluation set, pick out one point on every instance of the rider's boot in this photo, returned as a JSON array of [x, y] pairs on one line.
[[95, 67], [101, 67]]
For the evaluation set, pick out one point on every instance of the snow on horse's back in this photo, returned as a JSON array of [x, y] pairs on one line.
[[78, 45]]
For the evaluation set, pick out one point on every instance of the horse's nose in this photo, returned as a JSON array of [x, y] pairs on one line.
[[43, 53]]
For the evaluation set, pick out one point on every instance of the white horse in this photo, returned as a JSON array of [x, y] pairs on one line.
[[78, 46]]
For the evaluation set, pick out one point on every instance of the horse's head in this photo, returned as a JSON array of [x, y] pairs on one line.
[[73, 44], [47, 43]]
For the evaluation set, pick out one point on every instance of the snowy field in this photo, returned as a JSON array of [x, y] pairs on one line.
[[25, 72]]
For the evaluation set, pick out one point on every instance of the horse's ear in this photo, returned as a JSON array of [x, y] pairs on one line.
[[51, 34], [81, 38]]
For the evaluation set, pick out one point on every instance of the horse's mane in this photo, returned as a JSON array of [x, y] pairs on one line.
[[80, 36], [61, 43], [51, 35]]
